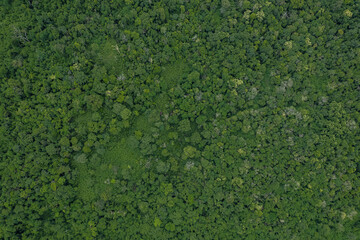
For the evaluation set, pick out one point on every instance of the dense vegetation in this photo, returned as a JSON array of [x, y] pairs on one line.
[[180, 119]]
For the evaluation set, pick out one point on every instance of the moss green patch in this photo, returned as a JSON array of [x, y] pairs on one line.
[[84, 118], [142, 124], [161, 102], [172, 74], [99, 180], [86, 188], [110, 58], [86, 182], [99, 176], [123, 154]]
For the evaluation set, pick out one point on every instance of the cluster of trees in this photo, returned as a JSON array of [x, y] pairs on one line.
[[170, 119]]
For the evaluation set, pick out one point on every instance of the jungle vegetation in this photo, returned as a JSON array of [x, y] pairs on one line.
[[179, 119]]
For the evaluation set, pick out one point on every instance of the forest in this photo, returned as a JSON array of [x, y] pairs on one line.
[[180, 119]]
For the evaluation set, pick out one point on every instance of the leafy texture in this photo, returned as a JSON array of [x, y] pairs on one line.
[[179, 119]]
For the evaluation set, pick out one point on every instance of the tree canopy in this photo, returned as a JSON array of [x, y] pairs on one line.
[[179, 119]]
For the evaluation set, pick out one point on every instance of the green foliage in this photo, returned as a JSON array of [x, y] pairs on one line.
[[189, 152], [157, 222], [122, 153], [125, 114], [175, 119], [172, 75], [184, 125]]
